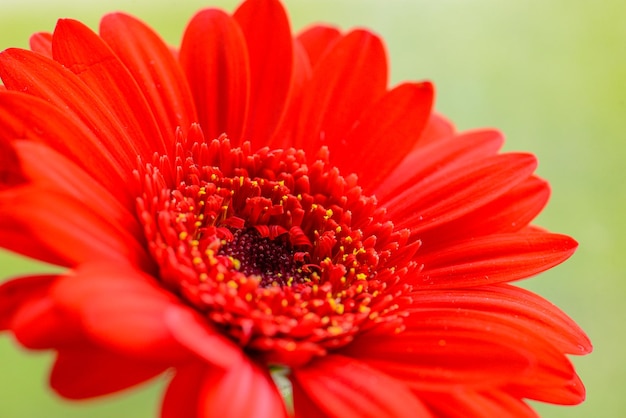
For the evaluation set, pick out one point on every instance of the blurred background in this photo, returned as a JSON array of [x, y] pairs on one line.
[[551, 75]]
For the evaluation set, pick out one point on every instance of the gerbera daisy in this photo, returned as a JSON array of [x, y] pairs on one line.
[[255, 204]]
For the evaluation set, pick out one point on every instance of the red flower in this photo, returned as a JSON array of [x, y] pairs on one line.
[[256, 202]]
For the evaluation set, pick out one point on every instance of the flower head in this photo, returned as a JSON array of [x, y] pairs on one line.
[[256, 201]]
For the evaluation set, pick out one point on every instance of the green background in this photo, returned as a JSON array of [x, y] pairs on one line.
[[550, 74]]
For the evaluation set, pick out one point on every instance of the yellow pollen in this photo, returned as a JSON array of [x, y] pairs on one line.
[[334, 330], [340, 308], [236, 263], [232, 284], [183, 235], [248, 297], [195, 243], [284, 303], [348, 239], [203, 277], [197, 260], [361, 276]]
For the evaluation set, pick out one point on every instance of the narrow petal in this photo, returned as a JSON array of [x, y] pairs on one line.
[[189, 330], [154, 68], [454, 191], [39, 76], [282, 137], [265, 26], [38, 324], [384, 134], [88, 371], [536, 314], [221, 394], [510, 212], [82, 51], [85, 236], [350, 78], [11, 173], [215, 60], [123, 310], [14, 293], [182, 395], [41, 43], [473, 404], [14, 239], [437, 128], [66, 134], [345, 387], [569, 392], [59, 175], [493, 259], [476, 350], [317, 40], [444, 153]]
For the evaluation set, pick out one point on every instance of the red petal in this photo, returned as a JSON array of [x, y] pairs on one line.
[[282, 137], [472, 404], [509, 213], [350, 78], [437, 128], [470, 349], [10, 168], [345, 387], [569, 392], [384, 134], [266, 28], [39, 324], [534, 313], [123, 310], [494, 258], [214, 58], [221, 394], [58, 175], [455, 191], [317, 41], [155, 69], [42, 215], [183, 392], [66, 134], [33, 73], [41, 43], [82, 51], [191, 331], [448, 152], [87, 371], [14, 293]]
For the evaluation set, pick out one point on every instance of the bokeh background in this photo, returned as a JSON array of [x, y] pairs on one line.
[[550, 74]]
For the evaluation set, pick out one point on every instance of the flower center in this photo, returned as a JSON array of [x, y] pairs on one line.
[[286, 257], [271, 260]]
